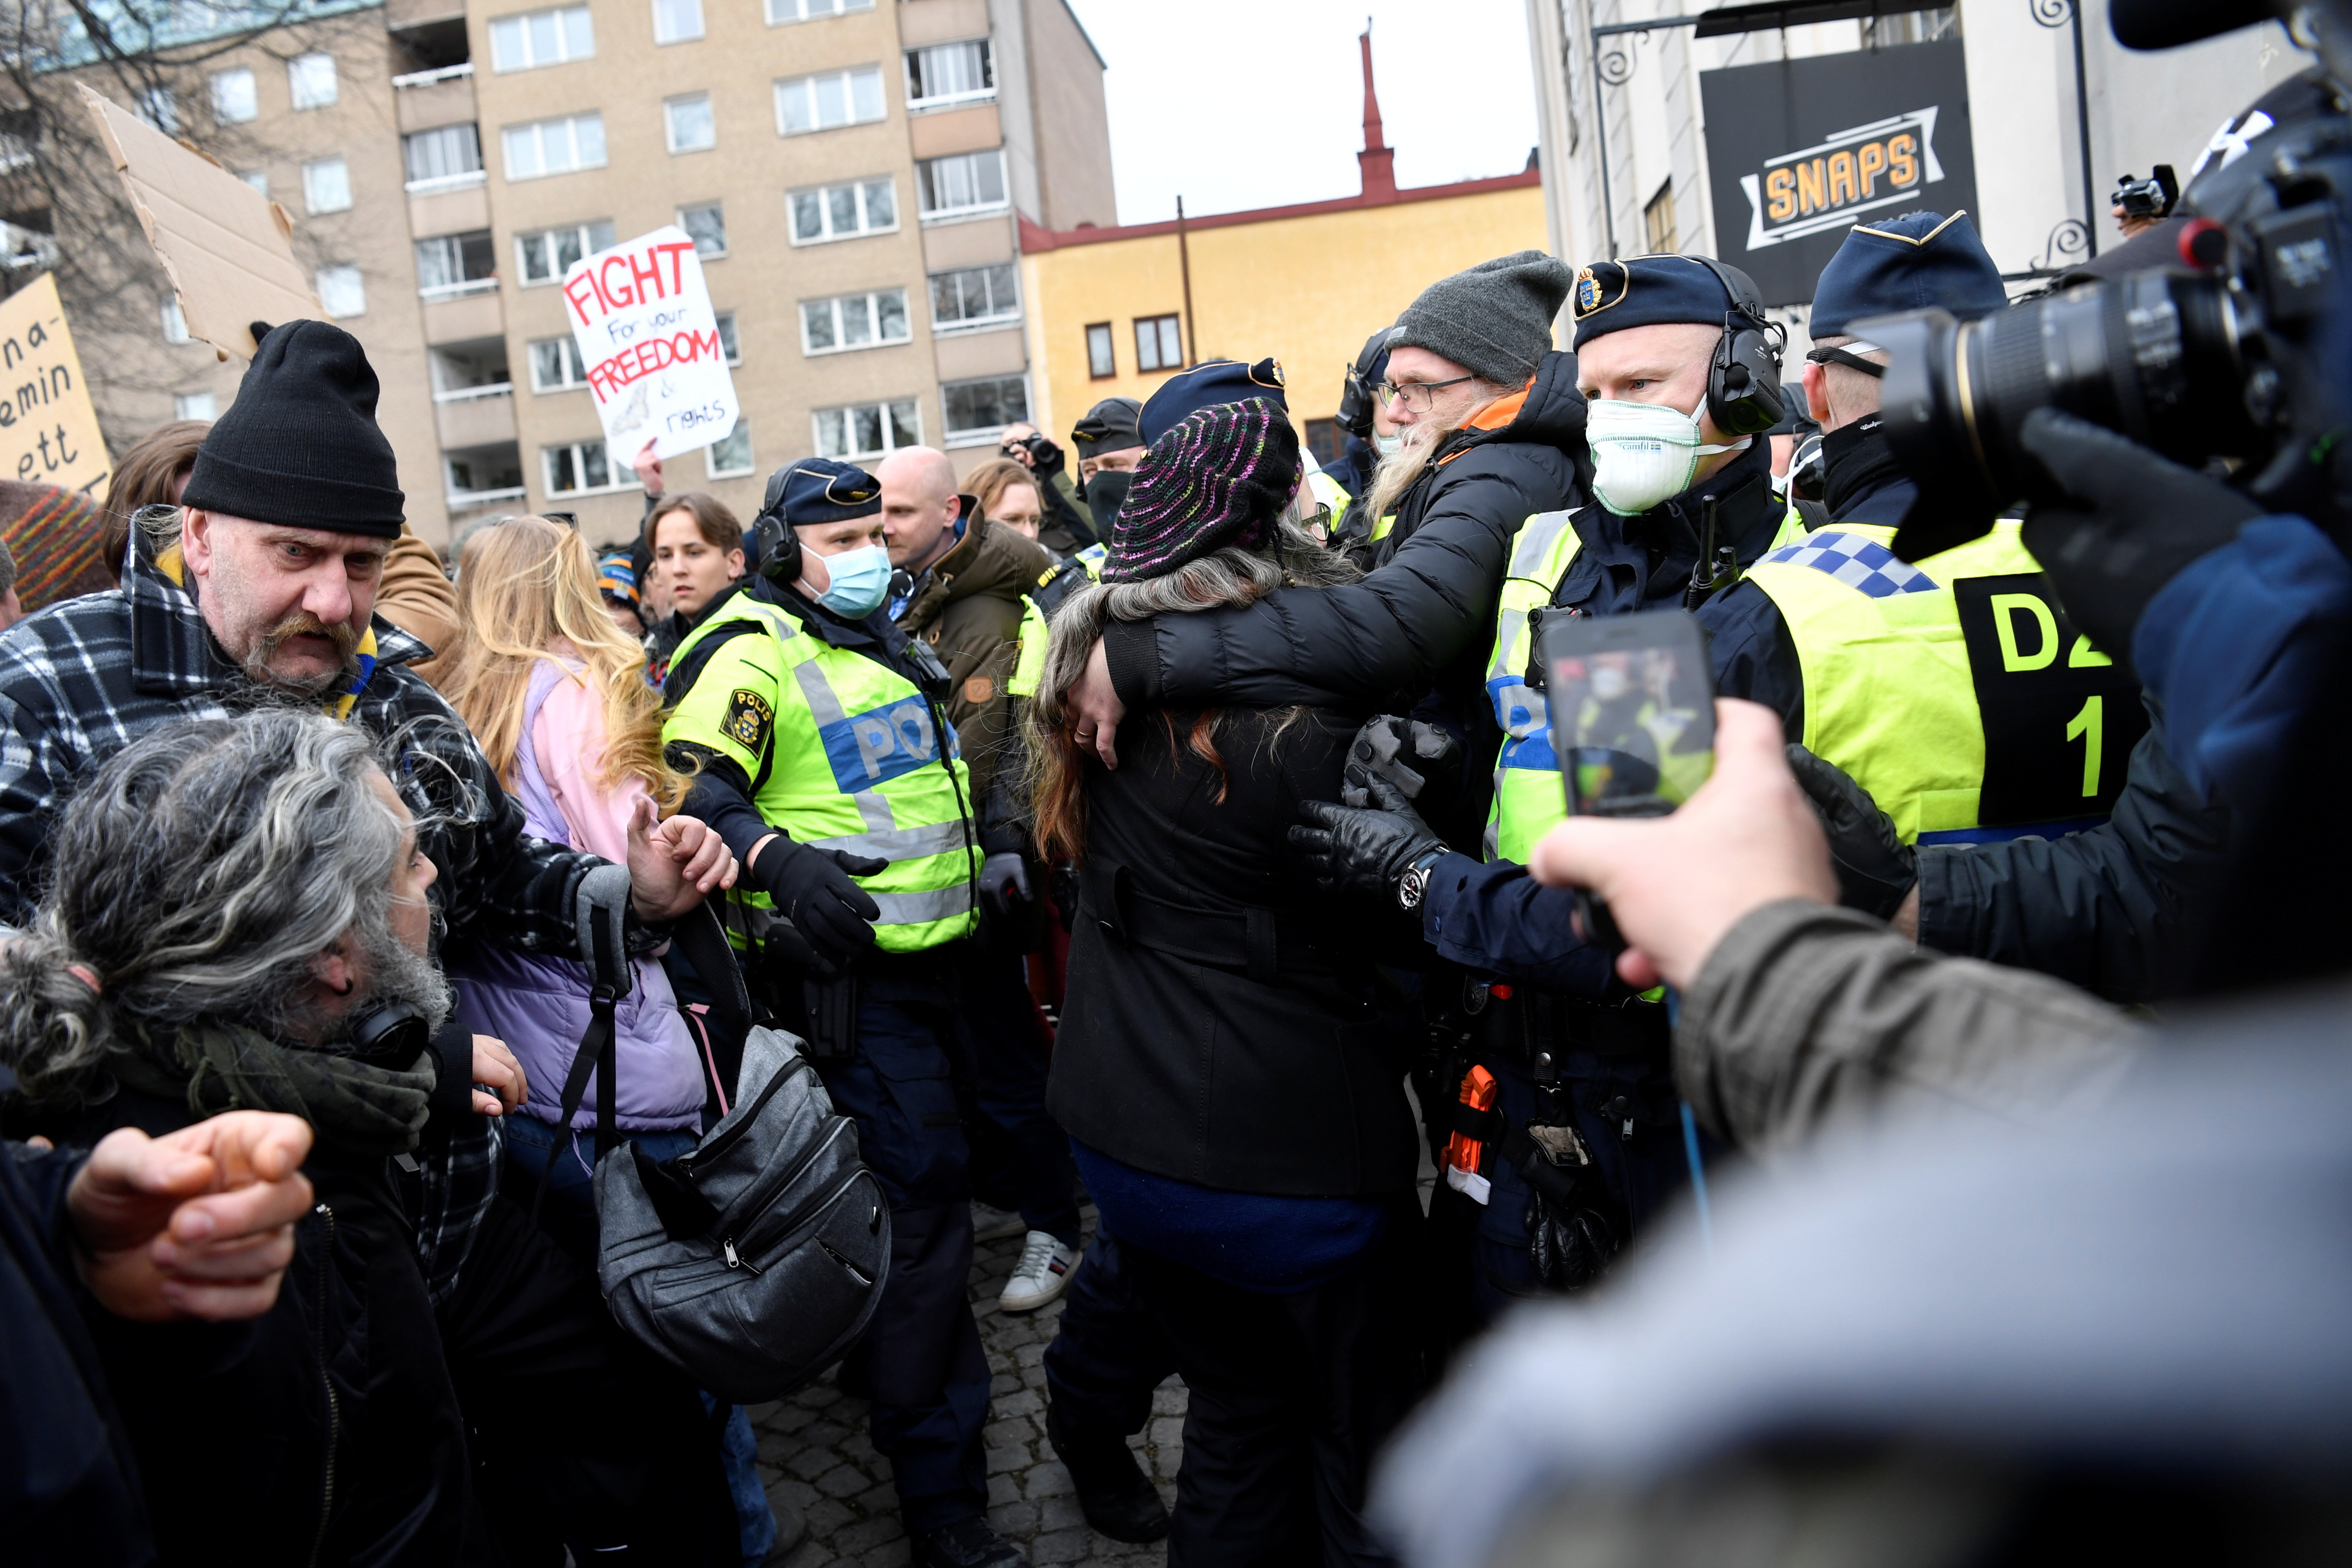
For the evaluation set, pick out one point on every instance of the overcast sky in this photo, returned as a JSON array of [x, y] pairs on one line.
[[1256, 103]]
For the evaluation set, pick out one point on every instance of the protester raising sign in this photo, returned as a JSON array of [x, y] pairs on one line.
[[641, 317]]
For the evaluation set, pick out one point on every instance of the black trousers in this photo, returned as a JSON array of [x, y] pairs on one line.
[[1290, 1399], [1107, 1354], [579, 1436]]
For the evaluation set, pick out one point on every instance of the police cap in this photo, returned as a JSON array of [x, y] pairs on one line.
[[1906, 263], [1647, 291], [1206, 385], [1109, 427], [819, 490]]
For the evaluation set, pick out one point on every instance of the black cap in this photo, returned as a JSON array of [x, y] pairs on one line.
[[1109, 426], [1207, 386], [815, 491], [1906, 263], [300, 446]]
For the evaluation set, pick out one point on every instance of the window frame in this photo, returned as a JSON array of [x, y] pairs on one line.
[[839, 8], [720, 208], [701, 24], [858, 189], [847, 76], [873, 298], [175, 320], [587, 234], [309, 206], [485, 284], [570, 356], [579, 448], [539, 129], [252, 95], [942, 326], [359, 282], [1109, 360], [1160, 325], [980, 436], [669, 125], [951, 99], [887, 407], [295, 71], [710, 468], [473, 177], [522, 20], [954, 215], [158, 107], [731, 336], [180, 409]]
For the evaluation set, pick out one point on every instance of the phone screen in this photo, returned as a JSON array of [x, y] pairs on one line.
[[1633, 726]]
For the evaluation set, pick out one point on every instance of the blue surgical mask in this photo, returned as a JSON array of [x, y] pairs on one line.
[[1388, 445], [860, 579]]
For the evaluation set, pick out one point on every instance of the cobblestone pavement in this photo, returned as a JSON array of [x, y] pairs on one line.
[[814, 1453]]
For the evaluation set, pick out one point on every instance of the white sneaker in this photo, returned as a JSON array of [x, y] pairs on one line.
[[989, 1223], [1042, 1274]]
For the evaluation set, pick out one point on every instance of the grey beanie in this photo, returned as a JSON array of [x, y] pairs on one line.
[[1494, 321]]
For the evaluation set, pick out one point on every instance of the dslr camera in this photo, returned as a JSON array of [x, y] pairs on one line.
[[2230, 356]]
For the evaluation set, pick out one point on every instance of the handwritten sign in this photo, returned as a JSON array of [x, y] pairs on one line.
[[657, 369], [48, 431]]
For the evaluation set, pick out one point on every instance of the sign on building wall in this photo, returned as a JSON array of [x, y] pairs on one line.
[[649, 339], [48, 431], [1800, 150]]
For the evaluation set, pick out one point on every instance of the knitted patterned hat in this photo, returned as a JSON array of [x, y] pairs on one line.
[[1218, 478], [59, 539]]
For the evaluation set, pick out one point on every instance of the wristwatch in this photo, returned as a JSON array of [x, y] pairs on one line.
[[1413, 886]]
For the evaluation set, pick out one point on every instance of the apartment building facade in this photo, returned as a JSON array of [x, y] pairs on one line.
[[853, 171]]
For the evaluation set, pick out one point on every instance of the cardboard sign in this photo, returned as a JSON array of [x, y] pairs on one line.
[[48, 431], [642, 318], [228, 249]]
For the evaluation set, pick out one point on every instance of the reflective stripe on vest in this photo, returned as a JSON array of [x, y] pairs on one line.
[[1933, 684], [855, 765], [1529, 797]]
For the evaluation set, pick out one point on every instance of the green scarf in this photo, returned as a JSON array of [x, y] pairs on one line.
[[356, 1109]]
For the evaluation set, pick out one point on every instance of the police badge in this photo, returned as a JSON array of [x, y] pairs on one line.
[[748, 720]]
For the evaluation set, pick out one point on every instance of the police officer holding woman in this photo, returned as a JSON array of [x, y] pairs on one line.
[[817, 735]]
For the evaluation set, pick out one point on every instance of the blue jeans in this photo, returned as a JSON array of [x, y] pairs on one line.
[[568, 1216]]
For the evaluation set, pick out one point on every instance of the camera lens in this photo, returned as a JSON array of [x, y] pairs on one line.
[[2152, 355]]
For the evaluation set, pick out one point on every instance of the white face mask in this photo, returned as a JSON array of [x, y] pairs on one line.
[[1388, 445], [1644, 452]]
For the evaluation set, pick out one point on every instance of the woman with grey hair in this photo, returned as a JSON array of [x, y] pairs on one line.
[[236, 919], [1233, 1087]]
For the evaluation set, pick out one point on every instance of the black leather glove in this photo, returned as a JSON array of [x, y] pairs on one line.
[[2140, 520], [1875, 869], [1574, 1225], [1004, 884], [1351, 849], [811, 887], [1422, 760]]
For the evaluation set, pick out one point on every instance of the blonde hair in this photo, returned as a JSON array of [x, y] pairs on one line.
[[522, 585], [991, 479]]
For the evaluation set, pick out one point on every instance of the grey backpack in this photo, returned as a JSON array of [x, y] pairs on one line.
[[753, 1260]]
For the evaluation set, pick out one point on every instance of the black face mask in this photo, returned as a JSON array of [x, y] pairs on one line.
[[1105, 493], [1856, 459]]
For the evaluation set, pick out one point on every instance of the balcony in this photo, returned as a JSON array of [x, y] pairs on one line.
[[478, 478], [464, 319], [429, 99]]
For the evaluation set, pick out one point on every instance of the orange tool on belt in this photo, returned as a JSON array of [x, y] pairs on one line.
[[1465, 1154]]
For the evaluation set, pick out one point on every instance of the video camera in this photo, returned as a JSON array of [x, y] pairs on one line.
[[2233, 352], [2151, 197]]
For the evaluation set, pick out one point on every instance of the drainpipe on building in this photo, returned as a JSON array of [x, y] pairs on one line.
[[1184, 262]]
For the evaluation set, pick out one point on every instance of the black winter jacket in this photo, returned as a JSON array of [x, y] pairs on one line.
[[1424, 618]]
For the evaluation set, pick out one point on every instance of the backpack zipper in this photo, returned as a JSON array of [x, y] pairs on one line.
[[334, 1407]]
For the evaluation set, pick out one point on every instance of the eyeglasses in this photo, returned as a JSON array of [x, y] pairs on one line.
[[1418, 395]]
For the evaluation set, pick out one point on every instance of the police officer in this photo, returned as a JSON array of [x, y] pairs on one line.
[[1953, 689], [1551, 1102], [1109, 445], [1370, 437], [815, 731]]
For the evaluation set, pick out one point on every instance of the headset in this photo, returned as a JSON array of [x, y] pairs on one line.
[[389, 1035], [778, 542], [1743, 380], [1356, 396]]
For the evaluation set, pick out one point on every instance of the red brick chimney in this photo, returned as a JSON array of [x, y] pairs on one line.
[[1377, 161]]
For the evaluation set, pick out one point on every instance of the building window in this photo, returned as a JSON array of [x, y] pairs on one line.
[[676, 21], [159, 110], [556, 366], [689, 124], [947, 74], [544, 255], [341, 292], [975, 297], [1158, 343], [706, 227], [781, 12], [554, 146], [1100, 361], [456, 264], [1658, 221], [536, 39], [1326, 442], [310, 80], [257, 178], [844, 212], [853, 321], [978, 410], [578, 468], [175, 324], [451, 156], [820, 102], [327, 187], [967, 183], [731, 458], [486, 473], [195, 406], [867, 429], [728, 342], [233, 99]]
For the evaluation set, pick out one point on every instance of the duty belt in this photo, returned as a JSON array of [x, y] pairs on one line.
[[1520, 1024], [1267, 944]]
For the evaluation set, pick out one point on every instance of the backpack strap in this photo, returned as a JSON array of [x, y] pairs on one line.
[[598, 1056], [701, 940]]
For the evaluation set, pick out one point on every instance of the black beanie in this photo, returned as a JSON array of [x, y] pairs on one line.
[[300, 446]]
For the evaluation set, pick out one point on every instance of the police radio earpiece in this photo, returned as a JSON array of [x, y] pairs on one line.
[[1743, 380], [779, 541]]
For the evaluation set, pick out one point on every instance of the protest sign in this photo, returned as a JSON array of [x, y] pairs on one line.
[[228, 249], [641, 315], [48, 431]]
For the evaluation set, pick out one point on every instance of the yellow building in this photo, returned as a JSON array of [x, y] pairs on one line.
[[1112, 311]]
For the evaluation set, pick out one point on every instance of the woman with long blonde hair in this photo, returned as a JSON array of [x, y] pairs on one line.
[[556, 694]]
